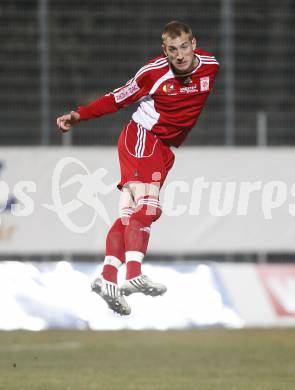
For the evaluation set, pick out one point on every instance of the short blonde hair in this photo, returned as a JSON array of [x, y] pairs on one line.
[[174, 29]]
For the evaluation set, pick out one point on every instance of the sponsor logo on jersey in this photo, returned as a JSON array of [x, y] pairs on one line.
[[188, 80], [190, 89], [125, 92], [204, 84]]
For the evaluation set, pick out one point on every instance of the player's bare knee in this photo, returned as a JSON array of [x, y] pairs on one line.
[[126, 205]]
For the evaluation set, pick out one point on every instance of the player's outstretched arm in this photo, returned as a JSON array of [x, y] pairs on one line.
[[67, 121]]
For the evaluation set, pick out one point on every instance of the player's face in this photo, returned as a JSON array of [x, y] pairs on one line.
[[180, 53]]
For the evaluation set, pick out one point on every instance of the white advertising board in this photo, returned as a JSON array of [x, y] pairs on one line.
[[62, 200]]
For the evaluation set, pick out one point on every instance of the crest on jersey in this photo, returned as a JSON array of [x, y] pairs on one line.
[[204, 84], [168, 88]]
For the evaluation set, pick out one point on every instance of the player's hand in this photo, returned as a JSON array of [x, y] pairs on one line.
[[67, 121]]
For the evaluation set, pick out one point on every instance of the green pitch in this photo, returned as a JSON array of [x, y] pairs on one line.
[[176, 360]]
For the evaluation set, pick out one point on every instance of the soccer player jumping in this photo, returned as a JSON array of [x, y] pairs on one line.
[[171, 91]]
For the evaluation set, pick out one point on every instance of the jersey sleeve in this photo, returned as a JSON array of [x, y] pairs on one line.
[[131, 92]]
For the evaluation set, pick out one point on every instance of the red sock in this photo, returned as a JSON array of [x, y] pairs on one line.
[[133, 264], [136, 236], [136, 242], [137, 233], [115, 244], [115, 251], [110, 273]]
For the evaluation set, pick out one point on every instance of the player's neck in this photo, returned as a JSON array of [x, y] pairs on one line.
[[194, 66]]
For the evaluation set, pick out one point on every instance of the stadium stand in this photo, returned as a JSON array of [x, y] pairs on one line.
[[93, 47]]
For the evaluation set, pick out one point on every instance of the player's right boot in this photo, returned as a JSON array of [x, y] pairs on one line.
[[142, 284], [112, 295]]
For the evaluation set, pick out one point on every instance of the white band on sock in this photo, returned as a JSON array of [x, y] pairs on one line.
[[134, 256], [126, 212], [112, 260]]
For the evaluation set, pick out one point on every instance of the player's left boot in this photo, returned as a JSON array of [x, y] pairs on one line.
[[112, 295], [142, 284]]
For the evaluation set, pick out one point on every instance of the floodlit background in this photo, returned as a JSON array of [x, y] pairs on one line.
[[222, 269], [58, 54]]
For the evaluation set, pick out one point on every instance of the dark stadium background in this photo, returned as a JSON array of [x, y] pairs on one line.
[[58, 54]]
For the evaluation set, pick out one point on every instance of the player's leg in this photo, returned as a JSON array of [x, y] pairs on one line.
[[115, 245], [147, 210], [145, 162], [106, 285]]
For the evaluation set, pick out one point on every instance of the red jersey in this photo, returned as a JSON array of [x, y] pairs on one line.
[[169, 104]]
